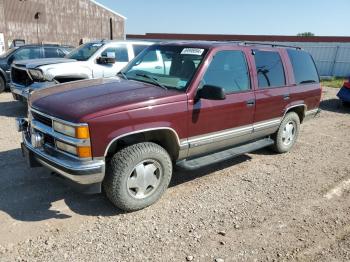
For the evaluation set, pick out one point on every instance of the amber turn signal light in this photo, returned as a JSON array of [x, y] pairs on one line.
[[82, 132]]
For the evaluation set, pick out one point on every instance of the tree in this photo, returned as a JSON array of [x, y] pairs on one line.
[[306, 34]]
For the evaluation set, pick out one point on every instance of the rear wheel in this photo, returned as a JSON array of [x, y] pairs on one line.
[[137, 176], [2, 84], [287, 133]]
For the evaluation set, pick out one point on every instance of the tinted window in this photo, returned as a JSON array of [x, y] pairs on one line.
[[120, 53], [138, 48], [228, 70], [28, 53], [303, 67], [269, 68], [53, 52]]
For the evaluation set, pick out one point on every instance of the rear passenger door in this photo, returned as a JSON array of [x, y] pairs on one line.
[[217, 124], [271, 90]]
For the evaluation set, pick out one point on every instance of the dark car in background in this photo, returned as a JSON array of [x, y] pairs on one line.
[[27, 52], [344, 93]]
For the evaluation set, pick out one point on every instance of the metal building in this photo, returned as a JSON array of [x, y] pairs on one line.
[[331, 53], [58, 21]]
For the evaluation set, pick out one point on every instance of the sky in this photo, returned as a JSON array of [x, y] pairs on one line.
[[263, 17]]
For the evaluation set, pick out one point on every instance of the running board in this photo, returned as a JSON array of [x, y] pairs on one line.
[[224, 155]]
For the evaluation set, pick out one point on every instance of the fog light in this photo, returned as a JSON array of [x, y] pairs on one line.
[[84, 151], [37, 140]]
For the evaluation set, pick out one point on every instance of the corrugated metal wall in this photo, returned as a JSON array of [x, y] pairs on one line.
[[332, 59], [60, 21]]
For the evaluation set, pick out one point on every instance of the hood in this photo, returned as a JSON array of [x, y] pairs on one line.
[[82, 100], [34, 63]]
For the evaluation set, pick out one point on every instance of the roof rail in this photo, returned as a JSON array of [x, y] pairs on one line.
[[270, 44]]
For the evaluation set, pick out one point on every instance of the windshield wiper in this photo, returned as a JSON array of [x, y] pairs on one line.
[[123, 75], [155, 80]]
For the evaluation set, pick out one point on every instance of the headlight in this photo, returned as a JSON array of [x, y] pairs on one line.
[[36, 74], [80, 151], [81, 132]]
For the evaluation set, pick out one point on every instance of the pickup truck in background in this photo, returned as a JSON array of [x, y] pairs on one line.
[[207, 102], [92, 60], [26, 52]]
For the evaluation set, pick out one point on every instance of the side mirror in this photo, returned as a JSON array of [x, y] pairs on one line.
[[105, 60], [211, 93]]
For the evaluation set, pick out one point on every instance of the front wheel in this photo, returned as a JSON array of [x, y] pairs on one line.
[[287, 133], [137, 176]]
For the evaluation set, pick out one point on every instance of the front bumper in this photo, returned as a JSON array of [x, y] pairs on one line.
[[87, 175], [22, 93], [19, 92]]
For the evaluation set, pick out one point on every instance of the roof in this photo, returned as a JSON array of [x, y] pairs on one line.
[[213, 44], [108, 9], [260, 38]]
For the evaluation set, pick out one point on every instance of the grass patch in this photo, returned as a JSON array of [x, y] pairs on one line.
[[336, 82]]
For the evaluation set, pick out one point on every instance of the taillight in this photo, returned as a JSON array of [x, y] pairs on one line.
[[347, 83]]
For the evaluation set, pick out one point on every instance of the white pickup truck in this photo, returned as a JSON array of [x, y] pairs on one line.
[[96, 59]]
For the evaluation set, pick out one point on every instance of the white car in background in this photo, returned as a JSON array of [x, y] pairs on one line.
[[96, 59]]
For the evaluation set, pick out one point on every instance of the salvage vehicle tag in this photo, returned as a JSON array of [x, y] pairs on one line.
[[192, 51]]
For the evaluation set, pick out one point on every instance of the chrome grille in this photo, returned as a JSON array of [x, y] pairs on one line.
[[42, 119], [20, 76]]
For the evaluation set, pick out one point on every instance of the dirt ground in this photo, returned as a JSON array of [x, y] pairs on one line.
[[257, 207]]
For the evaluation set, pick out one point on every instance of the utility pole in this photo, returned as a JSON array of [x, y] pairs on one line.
[[36, 17]]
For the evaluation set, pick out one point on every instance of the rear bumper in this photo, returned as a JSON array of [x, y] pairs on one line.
[[87, 176]]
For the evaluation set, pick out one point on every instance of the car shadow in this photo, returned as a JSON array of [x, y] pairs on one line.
[[36, 195], [334, 105], [13, 109]]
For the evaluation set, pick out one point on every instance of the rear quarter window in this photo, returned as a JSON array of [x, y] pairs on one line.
[[304, 68]]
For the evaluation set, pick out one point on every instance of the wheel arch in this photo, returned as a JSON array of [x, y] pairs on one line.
[[299, 109], [163, 136]]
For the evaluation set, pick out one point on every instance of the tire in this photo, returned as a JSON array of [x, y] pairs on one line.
[[287, 133], [137, 176], [2, 84]]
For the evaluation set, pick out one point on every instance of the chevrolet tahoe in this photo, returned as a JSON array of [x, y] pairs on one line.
[[211, 101]]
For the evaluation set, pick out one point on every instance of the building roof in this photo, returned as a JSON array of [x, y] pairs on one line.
[[105, 7], [261, 38]]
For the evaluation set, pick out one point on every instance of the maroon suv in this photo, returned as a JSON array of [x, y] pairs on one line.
[[185, 103]]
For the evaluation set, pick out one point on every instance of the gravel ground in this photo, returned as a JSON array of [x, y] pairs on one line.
[[257, 207]]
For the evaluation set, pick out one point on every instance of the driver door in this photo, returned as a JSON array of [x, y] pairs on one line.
[[218, 124]]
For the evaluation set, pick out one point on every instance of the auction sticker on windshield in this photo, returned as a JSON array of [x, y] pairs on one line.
[[192, 51]]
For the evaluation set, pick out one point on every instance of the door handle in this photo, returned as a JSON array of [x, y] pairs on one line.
[[250, 102], [158, 67], [286, 96]]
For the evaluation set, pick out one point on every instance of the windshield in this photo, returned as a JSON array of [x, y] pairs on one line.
[[8, 52], [84, 52], [172, 67]]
